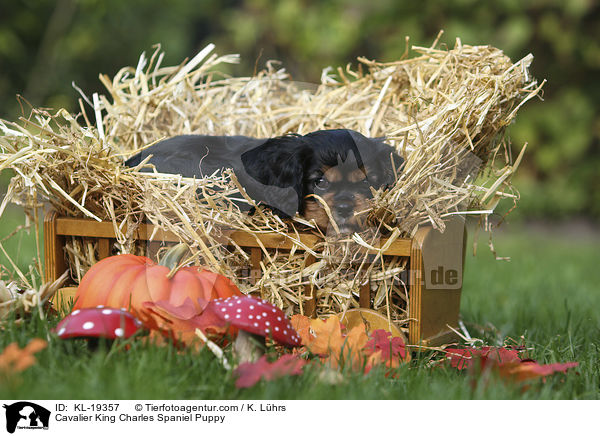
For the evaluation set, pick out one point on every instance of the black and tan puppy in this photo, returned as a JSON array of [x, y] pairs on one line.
[[326, 169]]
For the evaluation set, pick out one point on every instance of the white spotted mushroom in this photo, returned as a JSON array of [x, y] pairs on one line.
[[98, 322], [256, 320]]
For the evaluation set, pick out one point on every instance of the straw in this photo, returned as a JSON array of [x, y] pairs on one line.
[[445, 111]]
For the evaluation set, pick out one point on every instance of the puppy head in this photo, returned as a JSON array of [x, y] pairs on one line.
[[348, 165], [328, 173]]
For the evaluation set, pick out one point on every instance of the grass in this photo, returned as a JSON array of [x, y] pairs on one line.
[[548, 294]]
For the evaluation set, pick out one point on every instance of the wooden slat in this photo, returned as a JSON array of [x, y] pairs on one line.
[[82, 227], [103, 248], [255, 270], [94, 229], [271, 240], [104, 229], [364, 296], [54, 256], [152, 249], [310, 305], [416, 286]]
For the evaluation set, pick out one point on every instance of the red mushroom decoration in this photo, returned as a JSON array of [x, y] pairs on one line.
[[256, 320], [98, 322]]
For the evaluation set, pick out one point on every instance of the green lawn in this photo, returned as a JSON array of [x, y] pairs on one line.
[[548, 294]]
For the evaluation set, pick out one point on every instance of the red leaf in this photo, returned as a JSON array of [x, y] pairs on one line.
[[502, 355], [559, 367], [462, 358], [389, 347], [250, 373], [506, 362], [209, 320], [287, 364]]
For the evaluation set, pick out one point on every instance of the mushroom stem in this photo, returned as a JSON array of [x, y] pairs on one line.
[[248, 347]]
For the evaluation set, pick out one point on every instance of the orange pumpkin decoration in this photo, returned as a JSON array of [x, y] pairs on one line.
[[128, 281]]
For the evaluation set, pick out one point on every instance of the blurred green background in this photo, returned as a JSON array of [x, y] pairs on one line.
[[46, 45]]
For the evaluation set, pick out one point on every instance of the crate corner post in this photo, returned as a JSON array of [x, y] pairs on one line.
[[54, 256], [436, 275]]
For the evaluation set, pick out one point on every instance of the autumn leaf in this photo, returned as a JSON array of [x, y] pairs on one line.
[[250, 373], [463, 358], [14, 359], [180, 322], [353, 348], [505, 362], [357, 338], [327, 336], [392, 349], [501, 355], [186, 311], [301, 324], [460, 358], [527, 370], [328, 340]]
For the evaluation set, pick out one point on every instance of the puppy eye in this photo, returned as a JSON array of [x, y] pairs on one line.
[[364, 183], [321, 183]]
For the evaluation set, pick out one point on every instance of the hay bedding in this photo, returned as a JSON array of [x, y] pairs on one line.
[[444, 110]]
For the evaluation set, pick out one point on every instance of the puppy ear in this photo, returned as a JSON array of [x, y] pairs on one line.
[[273, 173], [380, 159]]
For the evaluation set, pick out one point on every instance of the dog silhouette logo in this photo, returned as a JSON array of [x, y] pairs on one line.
[[26, 415]]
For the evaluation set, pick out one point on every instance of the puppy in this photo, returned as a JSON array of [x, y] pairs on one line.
[[318, 175]]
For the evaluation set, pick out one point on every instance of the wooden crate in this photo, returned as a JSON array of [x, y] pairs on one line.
[[435, 265]]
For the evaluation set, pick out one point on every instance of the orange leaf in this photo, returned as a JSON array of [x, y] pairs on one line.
[[352, 350], [14, 359], [357, 338], [301, 324], [10, 354], [526, 370], [24, 362], [180, 322], [354, 347], [333, 346], [328, 336], [35, 345], [373, 360]]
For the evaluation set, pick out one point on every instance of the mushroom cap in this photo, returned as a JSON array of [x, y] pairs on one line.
[[98, 322], [258, 317]]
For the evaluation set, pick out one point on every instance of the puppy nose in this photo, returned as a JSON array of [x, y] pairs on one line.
[[345, 208]]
